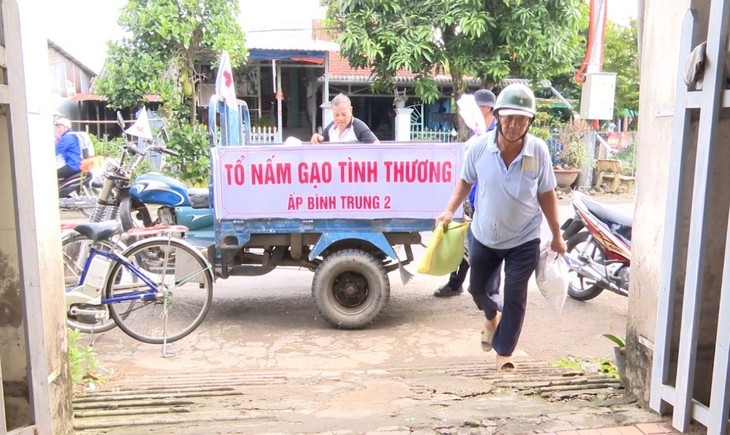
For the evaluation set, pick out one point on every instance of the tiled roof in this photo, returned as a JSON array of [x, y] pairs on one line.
[[340, 71]]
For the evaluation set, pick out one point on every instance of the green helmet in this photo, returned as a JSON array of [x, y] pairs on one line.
[[515, 99]]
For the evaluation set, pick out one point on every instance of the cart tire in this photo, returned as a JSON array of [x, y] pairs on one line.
[[350, 288]]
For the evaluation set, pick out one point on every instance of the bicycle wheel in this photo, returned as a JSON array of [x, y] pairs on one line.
[[85, 318], [180, 302], [90, 201]]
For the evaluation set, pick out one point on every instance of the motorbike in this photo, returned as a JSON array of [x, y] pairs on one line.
[[598, 254], [117, 175], [79, 192], [157, 199], [173, 202]]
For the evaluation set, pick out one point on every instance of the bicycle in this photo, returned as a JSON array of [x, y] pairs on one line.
[[158, 290]]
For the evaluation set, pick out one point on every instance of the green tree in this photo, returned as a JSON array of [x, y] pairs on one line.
[[621, 55], [488, 39], [164, 45]]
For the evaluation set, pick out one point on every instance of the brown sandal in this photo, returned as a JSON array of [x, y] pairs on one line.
[[504, 364], [487, 336]]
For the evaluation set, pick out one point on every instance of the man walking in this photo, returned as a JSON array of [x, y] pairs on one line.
[[516, 187]]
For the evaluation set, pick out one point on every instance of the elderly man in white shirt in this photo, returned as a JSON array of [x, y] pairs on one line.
[[345, 127]]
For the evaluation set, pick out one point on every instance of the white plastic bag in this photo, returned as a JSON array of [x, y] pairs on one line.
[[471, 114], [552, 277]]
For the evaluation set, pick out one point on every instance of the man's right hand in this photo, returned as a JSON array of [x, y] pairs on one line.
[[444, 218], [317, 138]]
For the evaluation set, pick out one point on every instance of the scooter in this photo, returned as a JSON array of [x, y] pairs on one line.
[[598, 240]]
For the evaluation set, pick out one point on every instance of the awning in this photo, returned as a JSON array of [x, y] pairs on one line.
[[310, 56], [87, 96]]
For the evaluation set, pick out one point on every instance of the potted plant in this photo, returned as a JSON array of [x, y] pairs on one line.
[[619, 353], [572, 154]]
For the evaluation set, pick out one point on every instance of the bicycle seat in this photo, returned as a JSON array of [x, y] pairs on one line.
[[98, 230]]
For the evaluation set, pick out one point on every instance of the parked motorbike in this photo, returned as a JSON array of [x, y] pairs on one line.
[[157, 199], [173, 202], [598, 240], [117, 175], [80, 191]]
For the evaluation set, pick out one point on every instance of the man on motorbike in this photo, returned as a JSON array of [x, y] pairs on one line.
[[68, 150], [516, 186]]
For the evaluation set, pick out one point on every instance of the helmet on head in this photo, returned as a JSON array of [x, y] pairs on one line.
[[515, 99], [60, 120]]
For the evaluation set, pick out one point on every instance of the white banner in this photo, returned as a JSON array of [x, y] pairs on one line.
[[360, 181]]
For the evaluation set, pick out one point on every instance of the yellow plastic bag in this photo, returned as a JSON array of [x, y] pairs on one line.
[[445, 250]]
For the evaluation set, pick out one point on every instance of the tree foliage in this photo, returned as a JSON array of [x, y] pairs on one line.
[[488, 39], [621, 55], [164, 44]]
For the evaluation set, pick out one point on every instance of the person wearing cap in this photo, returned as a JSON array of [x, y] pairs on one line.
[[344, 127], [516, 188], [485, 100], [68, 150]]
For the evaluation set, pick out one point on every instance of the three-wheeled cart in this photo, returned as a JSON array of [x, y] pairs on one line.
[[348, 212]]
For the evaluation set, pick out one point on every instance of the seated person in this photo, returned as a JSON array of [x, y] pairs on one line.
[[68, 150]]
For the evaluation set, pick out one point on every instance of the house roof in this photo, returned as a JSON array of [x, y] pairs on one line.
[[340, 72], [294, 43], [72, 58]]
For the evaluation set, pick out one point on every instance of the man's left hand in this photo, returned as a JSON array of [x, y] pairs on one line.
[[558, 245]]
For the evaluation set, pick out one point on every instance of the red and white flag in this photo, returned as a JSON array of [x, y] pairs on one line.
[[224, 85]]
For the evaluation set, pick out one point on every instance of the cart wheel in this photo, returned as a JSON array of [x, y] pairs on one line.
[[351, 288]]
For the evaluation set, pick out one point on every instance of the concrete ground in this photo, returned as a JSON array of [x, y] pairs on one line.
[[264, 362]]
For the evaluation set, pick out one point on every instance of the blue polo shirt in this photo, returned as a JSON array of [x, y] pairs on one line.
[[510, 213]]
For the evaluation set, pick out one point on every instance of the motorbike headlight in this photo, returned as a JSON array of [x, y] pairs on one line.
[[111, 165]]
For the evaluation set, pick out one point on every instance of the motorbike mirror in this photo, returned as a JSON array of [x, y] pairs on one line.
[[120, 120]]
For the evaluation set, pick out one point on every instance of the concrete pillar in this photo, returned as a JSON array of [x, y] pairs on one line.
[[32, 325], [403, 124]]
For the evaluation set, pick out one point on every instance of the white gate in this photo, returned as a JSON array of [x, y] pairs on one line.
[[421, 132], [709, 102]]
